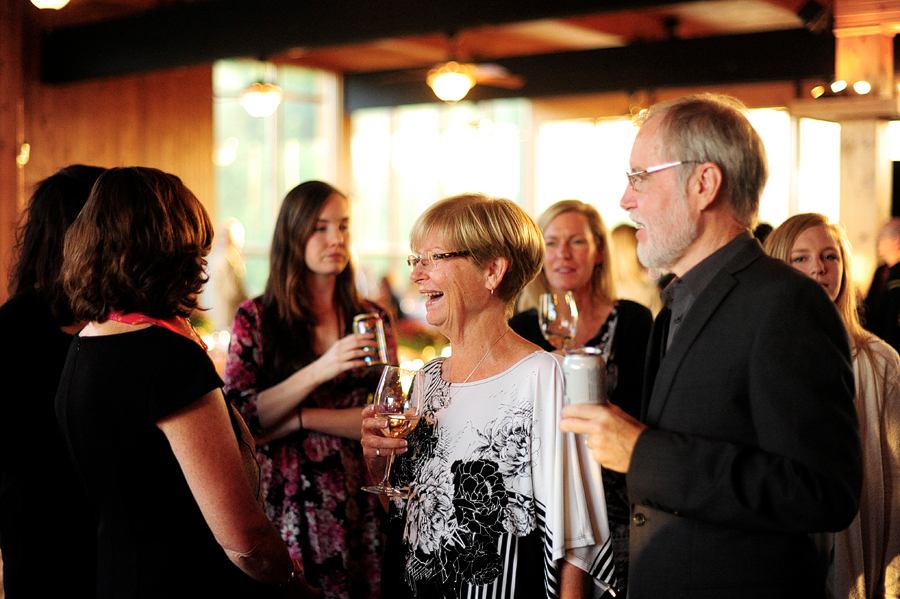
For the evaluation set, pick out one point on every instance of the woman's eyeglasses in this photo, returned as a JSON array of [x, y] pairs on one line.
[[430, 259]]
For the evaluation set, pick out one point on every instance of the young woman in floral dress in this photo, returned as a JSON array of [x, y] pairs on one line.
[[296, 372]]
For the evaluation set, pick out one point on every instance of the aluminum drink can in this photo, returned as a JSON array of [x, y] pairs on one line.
[[372, 323], [585, 373]]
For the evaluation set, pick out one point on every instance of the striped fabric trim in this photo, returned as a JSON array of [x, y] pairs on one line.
[[551, 575], [603, 569]]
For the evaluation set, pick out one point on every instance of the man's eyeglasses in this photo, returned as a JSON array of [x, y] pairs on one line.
[[430, 259], [635, 178]]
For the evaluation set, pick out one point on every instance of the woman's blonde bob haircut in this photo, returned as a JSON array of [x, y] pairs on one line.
[[487, 228]]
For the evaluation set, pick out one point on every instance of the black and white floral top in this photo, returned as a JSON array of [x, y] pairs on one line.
[[498, 493]]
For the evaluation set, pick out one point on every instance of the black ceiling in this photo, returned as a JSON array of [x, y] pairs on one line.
[[185, 34], [792, 55]]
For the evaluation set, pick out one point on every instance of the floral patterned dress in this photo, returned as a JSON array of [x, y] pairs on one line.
[[312, 481], [498, 496]]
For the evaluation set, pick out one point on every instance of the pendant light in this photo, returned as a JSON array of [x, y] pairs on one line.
[[451, 81], [262, 98]]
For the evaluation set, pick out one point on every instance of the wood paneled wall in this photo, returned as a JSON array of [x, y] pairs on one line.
[[161, 119], [12, 21]]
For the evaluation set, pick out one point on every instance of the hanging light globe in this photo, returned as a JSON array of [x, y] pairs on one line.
[[261, 99], [451, 81]]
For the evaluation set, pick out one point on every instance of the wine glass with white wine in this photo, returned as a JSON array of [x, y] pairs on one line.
[[398, 401], [558, 317]]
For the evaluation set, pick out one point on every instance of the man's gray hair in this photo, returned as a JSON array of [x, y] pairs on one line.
[[714, 128]]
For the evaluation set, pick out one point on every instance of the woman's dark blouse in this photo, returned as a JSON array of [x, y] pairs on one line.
[[623, 338], [47, 530], [153, 539], [629, 326]]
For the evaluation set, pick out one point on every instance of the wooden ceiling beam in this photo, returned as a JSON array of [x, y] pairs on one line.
[[185, 34], [791, 55]]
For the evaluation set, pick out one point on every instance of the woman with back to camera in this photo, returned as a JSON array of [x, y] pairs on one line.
[[141, 409], [863, 560], [578, 260], [296, 372], [42, 503], [495, 506]]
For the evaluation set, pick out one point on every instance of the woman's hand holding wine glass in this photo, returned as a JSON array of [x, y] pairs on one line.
[[397, 409], [558, 317]]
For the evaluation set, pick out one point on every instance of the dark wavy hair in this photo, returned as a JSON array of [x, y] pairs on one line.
[[289, 320], [38, 255], [139, 245]]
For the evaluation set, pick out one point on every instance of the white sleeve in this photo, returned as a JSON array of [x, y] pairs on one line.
[[568, 483]]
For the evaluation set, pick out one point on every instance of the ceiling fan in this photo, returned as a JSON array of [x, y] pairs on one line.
[[452, 80]]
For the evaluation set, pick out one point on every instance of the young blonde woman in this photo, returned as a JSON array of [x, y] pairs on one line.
[[863, 559]]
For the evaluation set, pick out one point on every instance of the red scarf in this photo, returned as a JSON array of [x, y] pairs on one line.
[[178, 324]]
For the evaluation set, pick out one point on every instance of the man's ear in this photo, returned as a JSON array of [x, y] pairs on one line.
[[705, 184]]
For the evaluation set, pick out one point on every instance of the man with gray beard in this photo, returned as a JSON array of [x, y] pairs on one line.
[[748, 438]]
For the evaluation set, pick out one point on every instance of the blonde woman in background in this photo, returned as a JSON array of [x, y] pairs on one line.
[[864, 559], [633, 280], [577, 260]]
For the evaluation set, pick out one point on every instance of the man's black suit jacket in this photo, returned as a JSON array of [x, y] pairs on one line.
[[754, 440]]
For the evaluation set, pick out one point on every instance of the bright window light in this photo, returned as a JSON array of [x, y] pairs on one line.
[[818, 172], [774, 126]]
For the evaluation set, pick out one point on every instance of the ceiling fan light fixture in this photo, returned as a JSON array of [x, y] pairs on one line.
[[52, 4], [451, 81], [261, 99]]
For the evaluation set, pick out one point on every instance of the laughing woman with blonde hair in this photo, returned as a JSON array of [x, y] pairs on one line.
[[493, 510]]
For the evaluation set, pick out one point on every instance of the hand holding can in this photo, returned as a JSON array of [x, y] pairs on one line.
[[585, 373], [372, 324]]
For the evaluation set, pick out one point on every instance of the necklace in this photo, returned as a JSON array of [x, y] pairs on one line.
[[482, 358]]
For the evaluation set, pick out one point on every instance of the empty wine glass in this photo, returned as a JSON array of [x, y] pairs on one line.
[[558, 317], [398, 401]]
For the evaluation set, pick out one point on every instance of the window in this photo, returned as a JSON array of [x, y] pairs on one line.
[[586, 159], [406, 158], [819, 169], [258, 160]]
